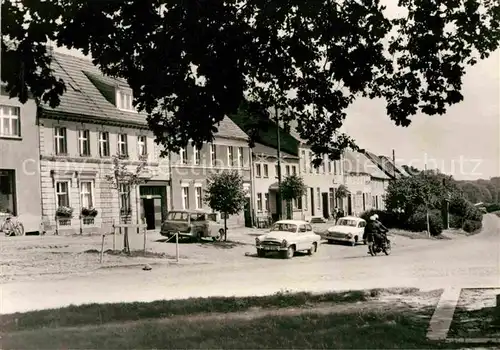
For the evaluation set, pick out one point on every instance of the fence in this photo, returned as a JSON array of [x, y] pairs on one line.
[[118, 229]]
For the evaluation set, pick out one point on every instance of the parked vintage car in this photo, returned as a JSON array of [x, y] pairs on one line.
[[347, 229], [196, 224], [287, 237]]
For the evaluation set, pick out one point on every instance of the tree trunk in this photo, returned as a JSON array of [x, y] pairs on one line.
[[225, 227]]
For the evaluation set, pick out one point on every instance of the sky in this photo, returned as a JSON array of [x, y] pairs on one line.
[[464, 142]]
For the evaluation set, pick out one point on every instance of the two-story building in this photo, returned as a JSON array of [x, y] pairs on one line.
[[322, 182], [366, 183], [265, 183], [19, 162], [94, 122], [191, 168]]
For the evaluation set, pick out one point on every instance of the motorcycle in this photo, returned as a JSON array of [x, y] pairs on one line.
[[375, 248]]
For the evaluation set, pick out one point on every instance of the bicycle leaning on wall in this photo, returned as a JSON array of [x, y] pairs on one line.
[[12, 227]]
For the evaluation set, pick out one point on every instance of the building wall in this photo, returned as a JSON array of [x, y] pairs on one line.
[[21, 155], [191, 175], [264, 181], [327, 178], [74, 169], [379, 191], [360, 187]]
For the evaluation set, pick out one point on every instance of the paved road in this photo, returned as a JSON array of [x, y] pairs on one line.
[[468, 262]]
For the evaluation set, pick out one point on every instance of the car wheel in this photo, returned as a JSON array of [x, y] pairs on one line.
[[313, 249], [219, 236], [261, 253], [288, 254]]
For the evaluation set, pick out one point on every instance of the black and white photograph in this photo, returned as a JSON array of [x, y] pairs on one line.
[[249, 174]]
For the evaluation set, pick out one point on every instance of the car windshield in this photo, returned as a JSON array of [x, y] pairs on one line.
[[284, 227], [178, 216], [347, 222], [212, 217]]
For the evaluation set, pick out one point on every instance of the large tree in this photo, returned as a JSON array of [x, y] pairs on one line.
[[190, 63]]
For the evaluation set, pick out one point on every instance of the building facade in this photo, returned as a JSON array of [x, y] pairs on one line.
[[366, 183], [79, 141], [19, 162], [191, 168], [265, 184], [322, 182]]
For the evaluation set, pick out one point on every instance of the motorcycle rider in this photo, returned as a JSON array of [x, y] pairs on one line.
[[373, 232], [380, 227]]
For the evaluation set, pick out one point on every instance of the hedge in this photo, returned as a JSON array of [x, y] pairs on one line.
[[418, 222]]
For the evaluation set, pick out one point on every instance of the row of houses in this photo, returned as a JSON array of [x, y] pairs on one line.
[[60, 157]]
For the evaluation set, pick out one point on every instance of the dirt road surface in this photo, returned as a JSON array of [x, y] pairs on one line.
[[468, 262]]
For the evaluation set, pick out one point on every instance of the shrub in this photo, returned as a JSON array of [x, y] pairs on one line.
[[490, 208], [471, 226], [456, 221], [387, 218], [418, 222]]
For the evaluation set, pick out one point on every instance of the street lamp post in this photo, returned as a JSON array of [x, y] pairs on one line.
[[278, 197]]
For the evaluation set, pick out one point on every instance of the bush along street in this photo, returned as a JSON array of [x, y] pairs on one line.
[[410, 199]]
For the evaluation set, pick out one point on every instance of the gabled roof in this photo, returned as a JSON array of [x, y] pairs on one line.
[[91, 95], [261, 149], [359, 163], [382, 165]]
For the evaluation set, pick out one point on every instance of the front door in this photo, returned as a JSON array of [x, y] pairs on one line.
[[149, 213], [312, 202], [326, 214], [248, 216], [349, 205]]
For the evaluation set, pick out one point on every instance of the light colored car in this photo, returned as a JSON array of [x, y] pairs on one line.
[[196, 224], [347, 229], [287, 237]]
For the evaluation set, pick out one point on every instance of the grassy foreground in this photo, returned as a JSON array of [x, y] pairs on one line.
[[194, 324]]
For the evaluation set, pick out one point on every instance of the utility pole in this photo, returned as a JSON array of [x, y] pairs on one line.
[[394, 162], [278, 197], [427, 204]]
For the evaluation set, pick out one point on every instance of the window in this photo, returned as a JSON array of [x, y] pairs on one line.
[[185, 197], [104, 144], [332, 198], [86, 194], [318, 196], [124, 100], [266, 201], [266, 170], [230, 156], [125, 199], [303, 160], [84, 142], [325, 160], [309, 227], [276, 170], [257, 170], [122, 145], [302, 228], [60, 140], [294, 170], [240, 157], [298, 203], [259, 201], [7, 192], [183, 158], [62, 193], [335, 170], [196, 156], [142, 145], [198, 197], [213, 155], [9, 121], [330, 166], [287, 170]]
